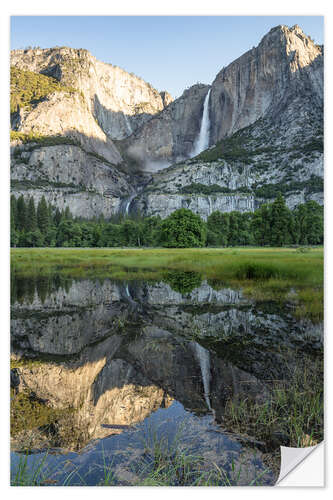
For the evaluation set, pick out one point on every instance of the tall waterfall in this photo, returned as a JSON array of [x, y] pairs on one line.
[[203, 358], [202, 142]]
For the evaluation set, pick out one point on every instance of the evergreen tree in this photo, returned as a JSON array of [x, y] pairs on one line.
[[57, 217], [67, 214], [13, 212], [309, 223], [21, 214], [151, 231], [233, 236], [261, 225], [280, 223], [69, 234], [14, 237], [272, 224], [33, 239], [131, 233], [218, 225], [43, 216], [31, 223], [314, 223]]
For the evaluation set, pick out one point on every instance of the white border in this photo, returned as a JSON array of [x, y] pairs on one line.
[[144, 7]]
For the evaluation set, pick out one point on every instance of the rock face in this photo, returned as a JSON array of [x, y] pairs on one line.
[[118, 100], [68, 115], [67, 175], [265, 136], [283, 70], [169, 137], [163, 204], [266, 124]]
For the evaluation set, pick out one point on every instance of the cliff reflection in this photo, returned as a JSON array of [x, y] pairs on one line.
[[108, 354]]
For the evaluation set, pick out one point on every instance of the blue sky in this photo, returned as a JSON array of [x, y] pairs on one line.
[[170, 52]]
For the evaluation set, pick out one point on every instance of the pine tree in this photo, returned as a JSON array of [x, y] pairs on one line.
[[21, 214], [43, 216], [280, 223], [67, 214], [31, 223], [233, 229], [57, 217], [13, 212], [218, 227]]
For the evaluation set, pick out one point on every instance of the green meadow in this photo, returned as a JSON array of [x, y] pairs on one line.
[[293, 275]]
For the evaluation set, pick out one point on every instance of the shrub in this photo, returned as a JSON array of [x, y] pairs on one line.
[[183, 229]]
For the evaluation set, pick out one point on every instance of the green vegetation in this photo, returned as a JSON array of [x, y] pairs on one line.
[[197, 188], [170, 464], [183, 281], [28, 412], [314, 185], [263, 274], [293, 412], [271, 225], [183, 229], [28, 88], [243, 146], [41, 140], [231, 148]]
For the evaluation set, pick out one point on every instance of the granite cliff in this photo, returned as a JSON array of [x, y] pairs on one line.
[[109, 128], [119, 101]]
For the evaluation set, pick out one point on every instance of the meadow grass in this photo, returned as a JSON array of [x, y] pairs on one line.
[[264, 274]]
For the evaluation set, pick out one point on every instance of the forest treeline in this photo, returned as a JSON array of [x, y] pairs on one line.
[[273, 224]]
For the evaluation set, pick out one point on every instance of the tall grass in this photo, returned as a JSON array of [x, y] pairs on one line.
[[292, 414], [41, 473], [171, 463], [163, 464]]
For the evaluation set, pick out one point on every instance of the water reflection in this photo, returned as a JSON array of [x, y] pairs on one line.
[[115, 354]]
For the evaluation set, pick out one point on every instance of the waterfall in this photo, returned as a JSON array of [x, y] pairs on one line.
[[129, 128], [210, 205], [129, 201], [125, 203], [203, 357], [202, 142]]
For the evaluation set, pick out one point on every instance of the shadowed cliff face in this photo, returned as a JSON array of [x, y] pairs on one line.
[[285, 67], [170, 136], [68, 115], [116, 352]]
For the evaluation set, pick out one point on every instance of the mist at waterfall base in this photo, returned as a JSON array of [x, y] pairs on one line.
[[155, 166], [202, 142]]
